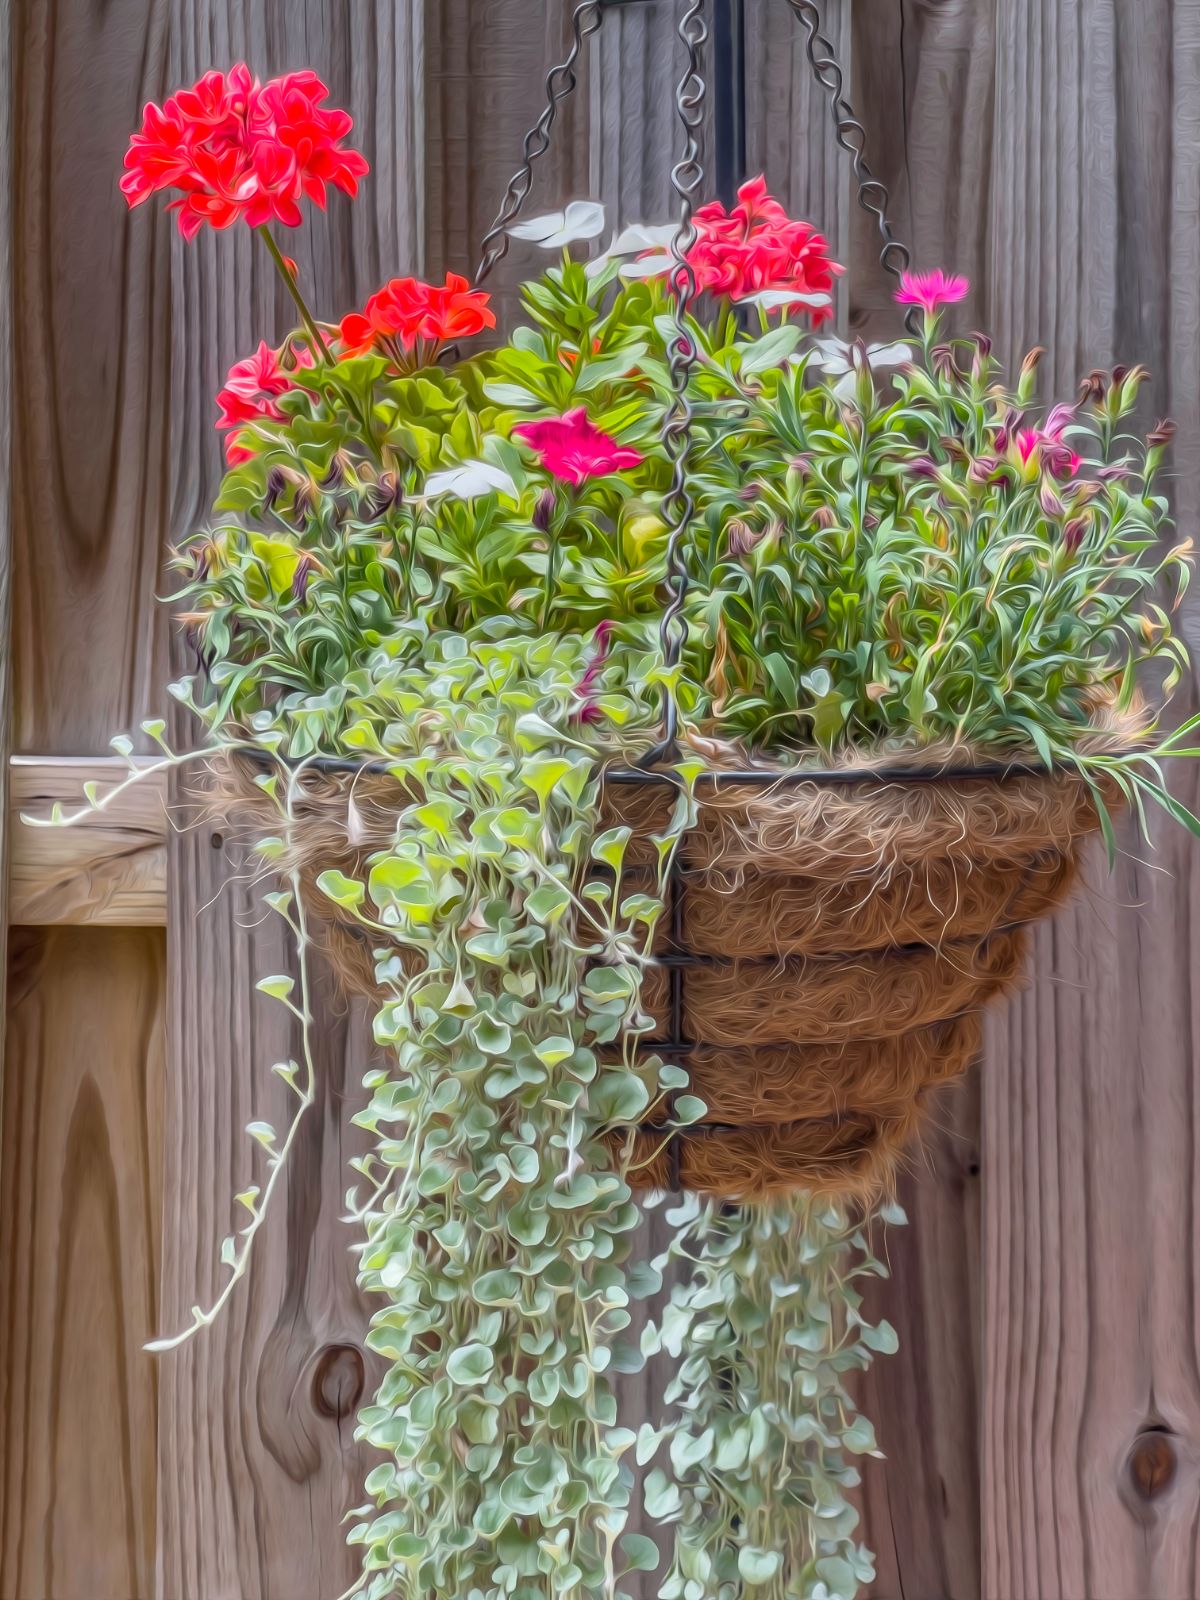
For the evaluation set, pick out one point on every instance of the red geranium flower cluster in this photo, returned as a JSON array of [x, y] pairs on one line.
[[236, 148], [406, 314], [251, 394], [757, 246]]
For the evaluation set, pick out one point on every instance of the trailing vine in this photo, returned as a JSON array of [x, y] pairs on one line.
[[764, 1328], [448, 578]]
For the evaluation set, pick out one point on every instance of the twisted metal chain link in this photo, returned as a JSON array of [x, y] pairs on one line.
[[895, 257], [561, 81], [679, 507]]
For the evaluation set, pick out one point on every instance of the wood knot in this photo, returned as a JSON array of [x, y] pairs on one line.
[[338, 1380], [1152, 1463]]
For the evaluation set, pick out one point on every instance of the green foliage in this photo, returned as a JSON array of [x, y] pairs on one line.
[[764, 1333], [891, 549], [496, 1219]]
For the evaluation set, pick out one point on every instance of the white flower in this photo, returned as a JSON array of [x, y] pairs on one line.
[[582, 219], [837, 359], [772, 299], [632, 241], [468, 481]]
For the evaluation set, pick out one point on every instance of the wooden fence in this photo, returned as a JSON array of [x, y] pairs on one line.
[[1042, 1420]]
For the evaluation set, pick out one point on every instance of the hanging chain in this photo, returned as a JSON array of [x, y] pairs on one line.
[[678, 506], [850, 134], [561, 81]]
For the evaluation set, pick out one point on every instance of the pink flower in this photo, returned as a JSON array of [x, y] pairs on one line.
[[588, 710], [929, 290], [573, 449], [1053, 453], [756, 246], [236, 148], [251, 392]]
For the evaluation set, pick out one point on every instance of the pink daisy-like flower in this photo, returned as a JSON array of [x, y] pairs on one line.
[[572, 448], [929, 290]]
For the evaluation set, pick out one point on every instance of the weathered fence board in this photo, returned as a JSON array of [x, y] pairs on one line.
[[80, 1145], [1091, 1082], [1052, 152], [256, 1456]]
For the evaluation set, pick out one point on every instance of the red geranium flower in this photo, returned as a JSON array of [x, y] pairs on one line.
[[572, 448], [757, 246], [235, 148], [407, 313], [251, 392]]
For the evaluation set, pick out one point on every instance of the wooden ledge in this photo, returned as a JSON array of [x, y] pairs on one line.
[[110, 869]]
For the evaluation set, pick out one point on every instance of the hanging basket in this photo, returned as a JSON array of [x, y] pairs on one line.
[[829, 943]]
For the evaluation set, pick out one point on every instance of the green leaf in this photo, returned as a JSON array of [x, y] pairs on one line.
[[611, 845], [640, 1552], [470, 1364], [758, 1566], [661, 1497], [343, 891], [279, 987], [558, 1047]]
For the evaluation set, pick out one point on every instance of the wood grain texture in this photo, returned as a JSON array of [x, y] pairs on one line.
[[110, 869], [921, 1504], [923, 84], [789, 128], [1090, 1125], [1089, 1146], [6, 300], [85, 498], [257, 1464], [79, 1220], [89, 364], [484, 84]]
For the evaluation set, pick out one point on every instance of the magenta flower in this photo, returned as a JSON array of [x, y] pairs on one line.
[[929, 290], [588, 710], [573, 449], [1059, 460]]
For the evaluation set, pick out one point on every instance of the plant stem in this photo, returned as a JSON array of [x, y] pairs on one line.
[[320, 347]]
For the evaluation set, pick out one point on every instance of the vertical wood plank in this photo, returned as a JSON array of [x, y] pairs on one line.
[[6, 287], [79, 1147], [257, 1463], [79, 1220], [1091, 1394], [923, 87], [487, 62], [921, 1504], [789, 127]]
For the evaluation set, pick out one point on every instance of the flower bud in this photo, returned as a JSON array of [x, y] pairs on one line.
[[276, 484], [1051, 505], [335, 476], [1094, 386], [983, 469], [741, 537], [944, 363], [1028, 374], [983, 344], [543, 511], [305, 568], [923, 467], [1074, 533], [824, 518], [304, 502], [1161, 434], [386, 494]]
